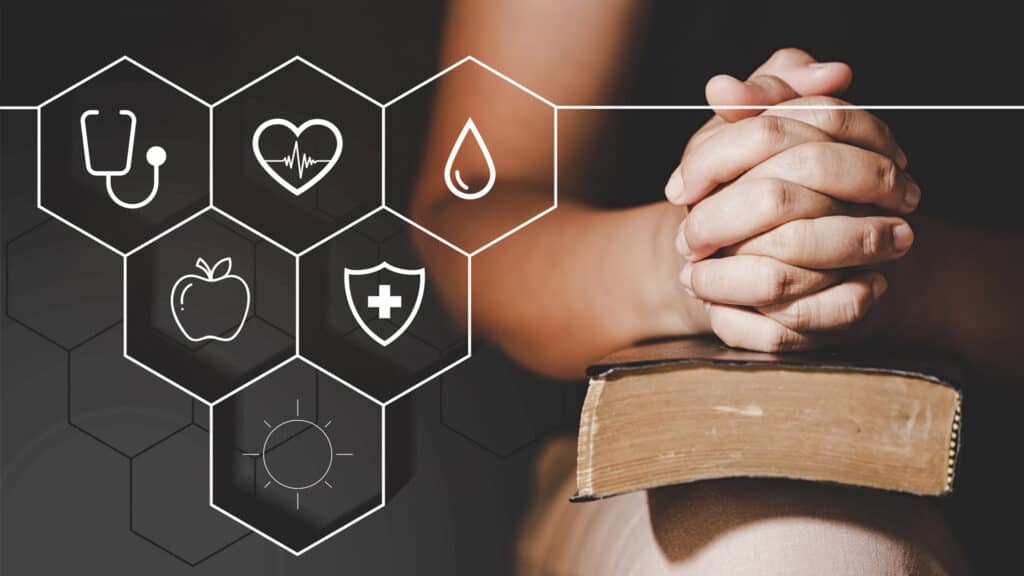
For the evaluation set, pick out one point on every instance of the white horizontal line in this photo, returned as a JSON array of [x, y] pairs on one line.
[[792, 107]]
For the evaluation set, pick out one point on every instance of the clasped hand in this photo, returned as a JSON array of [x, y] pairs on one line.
[[791, 209]]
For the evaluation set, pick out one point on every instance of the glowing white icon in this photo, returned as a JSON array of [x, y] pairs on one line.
[[453, 177], [217, 293], [383, 302], [290, 479], [297, 160], [155, 157]]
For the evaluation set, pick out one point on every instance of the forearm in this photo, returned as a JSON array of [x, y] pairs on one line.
[[956, 291], [576, 284]]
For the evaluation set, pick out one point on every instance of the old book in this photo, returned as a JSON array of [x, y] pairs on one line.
[[686, 410]]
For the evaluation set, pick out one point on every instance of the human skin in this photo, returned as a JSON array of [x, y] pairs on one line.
[[804, 203], [588, 281]]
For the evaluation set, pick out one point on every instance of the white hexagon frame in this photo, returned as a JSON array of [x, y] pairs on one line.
[[254, 82], [211, 208], [340, 529], [469, 306], [39, 145], [554, 112], [124, 310]]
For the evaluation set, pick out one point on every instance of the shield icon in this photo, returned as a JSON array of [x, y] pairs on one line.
[[374, 302]]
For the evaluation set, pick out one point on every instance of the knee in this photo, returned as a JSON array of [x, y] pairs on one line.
[[793, 528]]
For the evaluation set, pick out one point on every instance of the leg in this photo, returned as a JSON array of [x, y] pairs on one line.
[[741, 526]]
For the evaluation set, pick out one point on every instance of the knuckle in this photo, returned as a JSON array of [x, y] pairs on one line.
[[873, 240], [837, 121], [770, 130], [777, 199], [779, 283], [828, 117], [887, 173]]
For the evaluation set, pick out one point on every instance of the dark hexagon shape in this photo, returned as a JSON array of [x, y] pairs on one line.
[[317, 451], [18, 178], [298, 192], [118, 403], [374, 263], [170, 499], [209, 326], [499, 405], [34, 373], [462, 173], [97, 190], [39, 295]]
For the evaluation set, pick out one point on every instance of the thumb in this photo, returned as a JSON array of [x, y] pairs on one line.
[[789, 73]]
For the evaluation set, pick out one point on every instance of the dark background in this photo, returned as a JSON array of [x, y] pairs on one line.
[[68, 494], [103, 466]]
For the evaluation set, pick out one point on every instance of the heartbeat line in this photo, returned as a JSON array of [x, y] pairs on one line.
[[298, 159]]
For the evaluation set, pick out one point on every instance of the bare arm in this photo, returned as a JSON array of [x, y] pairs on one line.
[[579, 282], [582, 282]]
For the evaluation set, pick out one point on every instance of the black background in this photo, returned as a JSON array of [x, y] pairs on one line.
[[67, 497]]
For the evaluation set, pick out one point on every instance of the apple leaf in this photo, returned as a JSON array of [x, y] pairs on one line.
[[221, 269], [202, 265]]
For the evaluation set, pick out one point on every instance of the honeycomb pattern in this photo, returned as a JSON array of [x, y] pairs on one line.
[[41, 298], [315, 448], [169, 499], [118, 403], [499, 406], [123, 99], [161, 411]]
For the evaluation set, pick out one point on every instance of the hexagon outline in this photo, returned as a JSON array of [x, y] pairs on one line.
[[354, 521], [241, 224], [13, 317], [71, 421], [133, 62], [131, 505], [39, 143], [264, 76], [124, 310], [480, 445], [469, 304], [554, 108], [308, 64], [483, 65]]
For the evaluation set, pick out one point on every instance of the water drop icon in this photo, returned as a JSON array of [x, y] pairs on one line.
[[453, 177]]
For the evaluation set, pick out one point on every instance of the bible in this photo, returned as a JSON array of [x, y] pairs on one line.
[[685, 410]]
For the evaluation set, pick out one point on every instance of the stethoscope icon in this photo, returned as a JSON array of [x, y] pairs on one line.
[[155, 157]]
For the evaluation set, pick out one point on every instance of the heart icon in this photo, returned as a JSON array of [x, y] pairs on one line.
[[297, 160]]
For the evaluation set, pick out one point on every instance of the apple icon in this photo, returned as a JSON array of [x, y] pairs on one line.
[[210, 306]]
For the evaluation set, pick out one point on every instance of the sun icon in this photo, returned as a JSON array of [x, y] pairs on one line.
[[319, 462]]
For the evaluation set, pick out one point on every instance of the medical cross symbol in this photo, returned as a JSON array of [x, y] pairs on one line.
[[384, 301]]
